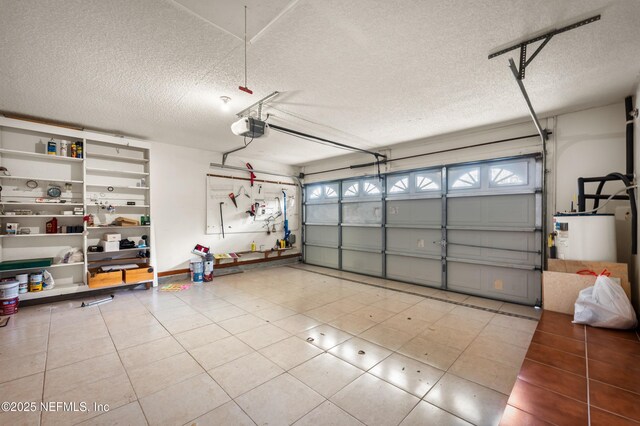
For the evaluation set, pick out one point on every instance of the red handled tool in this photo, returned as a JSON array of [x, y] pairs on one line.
[[233, 198], [252, 176]]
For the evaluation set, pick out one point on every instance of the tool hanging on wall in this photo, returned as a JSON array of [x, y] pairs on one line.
[[241, 190], [245, 88], [252, 175], [221, 219], [233, 199], [286, 221]]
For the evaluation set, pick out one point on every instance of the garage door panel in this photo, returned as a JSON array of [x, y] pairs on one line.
[[322, 235], [426, 212], [321, 256], [363, 238], [361, 262], [515, 285], [500, 211], [364, 212], [415, 270], [322, 213], [414, 241], [524, 241]]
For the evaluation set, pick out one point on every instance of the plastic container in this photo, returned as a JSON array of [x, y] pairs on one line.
[[208, 268], [52, 147], [589, 237], [23, 283], [8, 297], [8, 306], [197, 270], [35, 282], [9, 289]]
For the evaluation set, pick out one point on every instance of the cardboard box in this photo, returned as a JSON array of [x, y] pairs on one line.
[[560, 290], [111, 236], [617, 270], [109, 245]]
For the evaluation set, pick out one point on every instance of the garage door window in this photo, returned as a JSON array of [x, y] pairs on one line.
[[427, 181], [398, 184], [509, 174], [465, 178], [352, 189], [331, 191], [372, 187], [314, 192]]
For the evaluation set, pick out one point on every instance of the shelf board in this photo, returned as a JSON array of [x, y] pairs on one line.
[[96, 185], [11, 203], [44, 216], [116, 172], [44, 179], [116, 227], [123, 260], [56, 291], [118, 158], [71, 289], [57, 265], [118, 206], [77, 234], [46, 157], [116, 252]]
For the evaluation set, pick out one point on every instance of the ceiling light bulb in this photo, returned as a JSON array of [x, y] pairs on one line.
[[225, 102]]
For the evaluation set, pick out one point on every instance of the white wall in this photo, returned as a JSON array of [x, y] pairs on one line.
[[591, 143], [178, 197]]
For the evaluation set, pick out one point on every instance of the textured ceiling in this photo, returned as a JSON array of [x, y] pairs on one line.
[[364, 72]]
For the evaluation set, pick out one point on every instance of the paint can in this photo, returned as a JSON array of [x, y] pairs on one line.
[[35, 282], [208, 267], [8, 297], [197, 270], [9, 289], [8, 306], [23, 283]]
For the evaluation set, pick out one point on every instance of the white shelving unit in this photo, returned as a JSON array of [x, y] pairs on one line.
[[112, 172]]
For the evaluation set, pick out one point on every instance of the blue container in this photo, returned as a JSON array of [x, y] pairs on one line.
[[197, 270]]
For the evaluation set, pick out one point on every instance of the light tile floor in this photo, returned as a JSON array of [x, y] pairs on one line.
[[276, 346]]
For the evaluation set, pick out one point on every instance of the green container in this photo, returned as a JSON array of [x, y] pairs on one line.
[[26, 263]]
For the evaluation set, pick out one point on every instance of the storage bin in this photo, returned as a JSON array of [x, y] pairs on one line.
[[141, 274], [97, 279]]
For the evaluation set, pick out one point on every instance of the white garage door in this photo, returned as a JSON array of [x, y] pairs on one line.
[[472, 228]]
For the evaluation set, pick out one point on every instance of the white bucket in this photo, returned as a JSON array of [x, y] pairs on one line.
[[23, 280], [9, 289]]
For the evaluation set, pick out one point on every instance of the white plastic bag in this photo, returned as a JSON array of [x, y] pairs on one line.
[[48, 282], [605, 304]]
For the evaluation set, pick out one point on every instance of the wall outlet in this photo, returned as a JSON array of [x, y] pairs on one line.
[[497, 284]]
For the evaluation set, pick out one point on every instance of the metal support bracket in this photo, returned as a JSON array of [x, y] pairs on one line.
[[543, 132], [524, 62]]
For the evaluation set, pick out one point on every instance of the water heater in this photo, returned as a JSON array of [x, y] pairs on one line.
[[585, 236]]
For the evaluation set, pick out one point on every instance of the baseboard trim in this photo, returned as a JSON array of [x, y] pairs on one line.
[[232, 264]]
